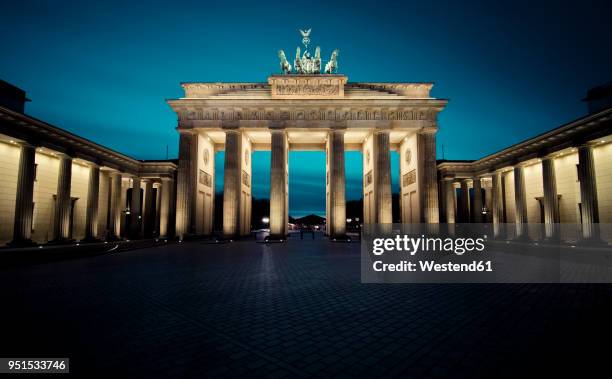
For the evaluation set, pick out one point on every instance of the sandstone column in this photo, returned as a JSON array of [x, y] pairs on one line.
[[184, 187], [382, 178], [520, 201], [497, 210], [278, 184], [93, 190], [157, 208], [429, 176], [232, 183], [551, 201], [148, 218], [116, 208], [22, 230], [165, 205], [465, 201], [63, 202], [477, 206], [135, 209], [337, 190], [588, 193], [449, 199]]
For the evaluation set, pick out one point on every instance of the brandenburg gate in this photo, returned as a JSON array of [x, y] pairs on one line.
[[303, 109]]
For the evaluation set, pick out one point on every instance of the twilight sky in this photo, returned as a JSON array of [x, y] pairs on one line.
[[103, 70]]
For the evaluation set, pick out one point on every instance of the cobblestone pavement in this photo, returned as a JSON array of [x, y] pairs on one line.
[[290, 310]]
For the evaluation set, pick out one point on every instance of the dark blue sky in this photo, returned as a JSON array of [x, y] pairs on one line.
[[511, 70]]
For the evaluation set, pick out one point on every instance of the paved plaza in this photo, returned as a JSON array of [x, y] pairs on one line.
[[290, 310]]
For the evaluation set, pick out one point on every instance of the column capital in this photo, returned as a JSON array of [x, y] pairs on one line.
[[381, 130], [64, 155], [342, 124], [278, 130], [24, 143], [584, 145], [277, 124], [166, 179], [521, 164], [232, 125], [186, 131], [428, 130]]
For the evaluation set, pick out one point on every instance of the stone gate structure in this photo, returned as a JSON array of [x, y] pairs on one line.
[[305, 112]]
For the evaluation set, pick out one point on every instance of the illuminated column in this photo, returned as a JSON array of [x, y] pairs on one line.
[[337, 190], [477, 206], [135, 212], [520, 201], [551, 201], [93, 190], [148, 218], [231, 183], [382, 178], [62, 202], [449, 199], [497, 210], [22, 230], [429, 176], [184, 187], [465, 201], [588, 193], [116, 207], [278, 183], [157, 187], [165, 206]]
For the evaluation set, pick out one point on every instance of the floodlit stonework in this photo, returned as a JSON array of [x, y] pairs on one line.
[[560, 177], [58, 187], [307, 112]]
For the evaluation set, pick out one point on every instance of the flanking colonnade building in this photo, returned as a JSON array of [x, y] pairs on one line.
[[59, 187], [561, 177]]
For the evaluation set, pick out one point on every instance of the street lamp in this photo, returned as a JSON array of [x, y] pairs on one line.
[[265, 220]]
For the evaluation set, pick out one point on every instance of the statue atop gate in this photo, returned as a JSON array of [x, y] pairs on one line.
[[306, 64]]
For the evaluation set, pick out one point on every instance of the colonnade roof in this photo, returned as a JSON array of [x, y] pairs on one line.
[[18, 128], [591, 129]]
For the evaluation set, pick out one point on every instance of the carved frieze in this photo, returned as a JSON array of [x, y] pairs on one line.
[[198, 90], [409, 178], [314, 113], [205, 178], [307, 86]]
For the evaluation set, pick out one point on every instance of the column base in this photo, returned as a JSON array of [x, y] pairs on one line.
[[593, 241], [22, 243], [114, 238], [275, 239], [340, 238], [61, 241], [523, 238]]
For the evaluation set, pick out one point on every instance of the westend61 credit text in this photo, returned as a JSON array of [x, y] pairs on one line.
[[441, 247]]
